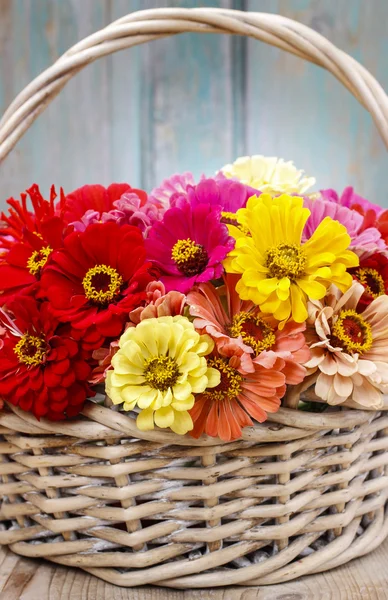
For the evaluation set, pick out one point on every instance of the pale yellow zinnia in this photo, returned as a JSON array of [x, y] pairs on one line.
[[269, 174], [279, 272], [159, 367]]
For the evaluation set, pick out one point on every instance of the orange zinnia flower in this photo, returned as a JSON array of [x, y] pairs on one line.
[[241, 327], [223, 410]]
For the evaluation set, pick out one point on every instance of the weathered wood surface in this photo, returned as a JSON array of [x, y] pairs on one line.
[[191, 102], [22, 579]]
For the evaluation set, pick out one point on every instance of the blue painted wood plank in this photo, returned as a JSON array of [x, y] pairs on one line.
[[298, 111], [189, 102]]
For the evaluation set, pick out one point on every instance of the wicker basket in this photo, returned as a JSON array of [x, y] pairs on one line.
[[300, 494]]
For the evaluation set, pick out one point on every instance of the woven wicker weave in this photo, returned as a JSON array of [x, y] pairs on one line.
[[300, 494]]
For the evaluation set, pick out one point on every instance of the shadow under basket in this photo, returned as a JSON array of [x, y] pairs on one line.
[[303, 493], [285, 501]]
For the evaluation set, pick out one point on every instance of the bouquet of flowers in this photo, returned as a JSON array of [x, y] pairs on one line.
[[202, 307]]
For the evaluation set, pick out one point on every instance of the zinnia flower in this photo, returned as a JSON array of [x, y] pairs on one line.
[[225, 409], [42, 369], [98, 277], [243, 328], [176, 184], [349, 348], [20, 218], [96, 198], [159, 367], [33, 237], [189, 245], [351, 200], [157, 304], [229, 194], [278, 272], [130, 209], [351, 219], [373, 275], [269, 174]]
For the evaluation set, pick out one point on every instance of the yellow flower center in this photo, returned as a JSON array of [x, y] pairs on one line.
[[230, 384], [372, 281], [38, 259], [351, 332], [31, 350], [102, 284], [190, 258], [161, 372], [255, 332], [286, 260]]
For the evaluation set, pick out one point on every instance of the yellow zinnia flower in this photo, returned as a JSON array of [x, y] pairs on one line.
[[279, 273], [269, 174], [160, 365]]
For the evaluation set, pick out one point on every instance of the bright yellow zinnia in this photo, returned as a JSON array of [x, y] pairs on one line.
[[279, 272], [160, 365], [269, 174]]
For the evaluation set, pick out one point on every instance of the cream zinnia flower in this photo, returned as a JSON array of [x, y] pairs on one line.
[[269, 174], [160, 365], [349, 349]]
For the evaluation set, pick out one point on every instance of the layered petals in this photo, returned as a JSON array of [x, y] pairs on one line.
[[98, 277]]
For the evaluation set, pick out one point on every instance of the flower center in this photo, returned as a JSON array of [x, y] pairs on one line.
[[255, 332], [230, 384], [351, 332], [372, 281], [161, 372], [286, 260], [31, 350], [102, 284], [38, 259], [190, 258]]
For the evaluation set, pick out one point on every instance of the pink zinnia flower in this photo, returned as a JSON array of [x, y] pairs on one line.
[[189, 245], [176, 184], [158, 303], [242, 328], [351, 219], [129, 209], [351, 200], [349, 348]]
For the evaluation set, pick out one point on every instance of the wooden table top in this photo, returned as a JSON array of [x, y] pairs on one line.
[[24, 579]]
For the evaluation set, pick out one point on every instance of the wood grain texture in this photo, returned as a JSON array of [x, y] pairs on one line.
[[300, 112], [191, 102], [362, 579]]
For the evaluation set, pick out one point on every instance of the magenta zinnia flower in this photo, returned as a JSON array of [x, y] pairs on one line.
[[189, 245], [351, 200], [227, 193], [351, 219]]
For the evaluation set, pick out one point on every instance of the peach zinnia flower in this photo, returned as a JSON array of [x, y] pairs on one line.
[[242, 328], [223, 410], [349, 348]]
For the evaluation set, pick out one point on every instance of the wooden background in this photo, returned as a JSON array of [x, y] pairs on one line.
[[191, 102]]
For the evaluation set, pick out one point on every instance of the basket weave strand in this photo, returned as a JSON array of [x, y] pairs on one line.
[[299, 494]]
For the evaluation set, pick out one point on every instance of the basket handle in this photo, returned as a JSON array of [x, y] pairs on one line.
[[146, 25]]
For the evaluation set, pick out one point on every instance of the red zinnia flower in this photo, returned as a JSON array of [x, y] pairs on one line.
[[19, 218], [42, 369], [28, 240], [373, 275], [98, 277], [96, 198], [223, 411]]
